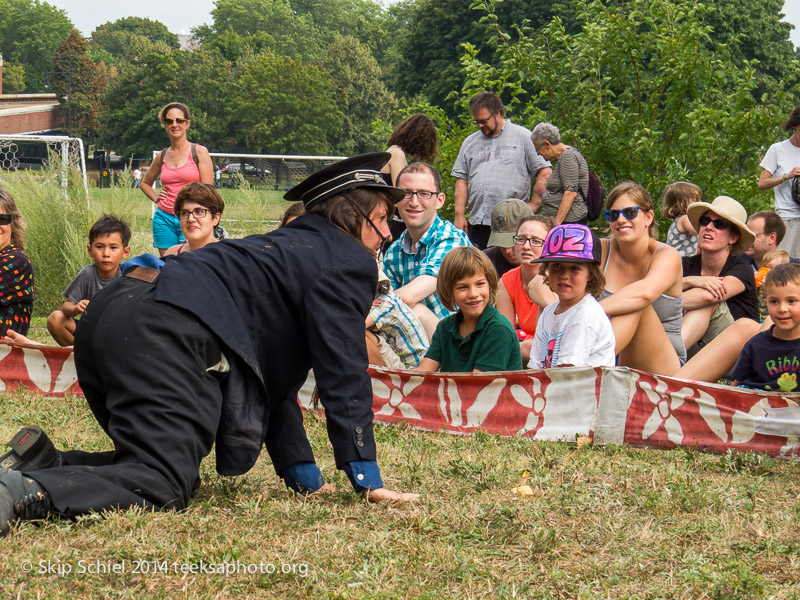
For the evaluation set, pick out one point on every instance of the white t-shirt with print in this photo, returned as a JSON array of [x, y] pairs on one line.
[[580, 336]]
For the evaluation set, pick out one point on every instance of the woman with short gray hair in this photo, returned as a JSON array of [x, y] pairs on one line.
[[570, 177]]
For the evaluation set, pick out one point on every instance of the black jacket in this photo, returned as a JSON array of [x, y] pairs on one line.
[[283, 303]]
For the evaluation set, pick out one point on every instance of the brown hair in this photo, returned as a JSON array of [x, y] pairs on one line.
[[677, 198], [341, 213], [295, 210], [594, 286], [548, 222], [793, 120], [108, 224], [423, 167], [773, 223], [162, 114], [459, 263], [776, 254], [488, 100], [781, 275], [205, 194], [640, 197], [416, 136], [8, 205]]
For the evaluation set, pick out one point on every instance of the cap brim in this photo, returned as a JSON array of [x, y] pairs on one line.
[[563, 258]]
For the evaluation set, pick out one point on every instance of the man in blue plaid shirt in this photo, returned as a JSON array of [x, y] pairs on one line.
[[412, 262]]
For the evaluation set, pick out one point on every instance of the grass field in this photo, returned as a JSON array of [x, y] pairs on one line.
[[599, 523], [607, 522]]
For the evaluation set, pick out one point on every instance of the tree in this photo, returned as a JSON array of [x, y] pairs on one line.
[[430, 44], [13, 78], [78, 92], [283, 106], [359, 94], [643, 92], [149, 81], [29, 34], [265, 26], [115, 38]]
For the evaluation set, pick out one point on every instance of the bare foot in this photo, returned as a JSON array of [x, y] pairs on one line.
[[384, 495], [13, 336], [324, 490]]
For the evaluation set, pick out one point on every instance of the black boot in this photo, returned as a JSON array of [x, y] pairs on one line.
[[21, 498], [31, 450]]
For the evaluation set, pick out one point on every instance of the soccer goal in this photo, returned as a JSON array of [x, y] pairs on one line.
[[36, 152]]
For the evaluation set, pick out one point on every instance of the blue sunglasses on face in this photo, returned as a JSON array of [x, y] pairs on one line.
[[629, 212]]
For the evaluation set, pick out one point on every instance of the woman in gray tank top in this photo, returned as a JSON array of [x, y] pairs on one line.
[[643, 285]]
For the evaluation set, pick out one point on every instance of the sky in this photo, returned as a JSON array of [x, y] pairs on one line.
[[180, 16]]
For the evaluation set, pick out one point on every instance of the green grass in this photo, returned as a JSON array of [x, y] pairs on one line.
[[58, 227], [601, 523]]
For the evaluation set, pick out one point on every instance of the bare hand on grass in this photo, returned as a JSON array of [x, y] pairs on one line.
[[384, 495]]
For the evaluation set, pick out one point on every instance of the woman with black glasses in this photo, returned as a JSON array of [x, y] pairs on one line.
[[718, 283], [522, 291], [181, 163], [198, 208], [643, 284], [16, 272]]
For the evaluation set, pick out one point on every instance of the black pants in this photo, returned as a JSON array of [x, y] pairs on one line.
[[143, 366], [479, 235]]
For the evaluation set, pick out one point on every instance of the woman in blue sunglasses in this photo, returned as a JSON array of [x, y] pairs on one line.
[[643, 295]]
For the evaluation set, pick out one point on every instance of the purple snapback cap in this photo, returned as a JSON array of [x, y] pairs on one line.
[[571, 243]]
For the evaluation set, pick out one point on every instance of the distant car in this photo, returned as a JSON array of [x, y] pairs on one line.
[[249, 170]]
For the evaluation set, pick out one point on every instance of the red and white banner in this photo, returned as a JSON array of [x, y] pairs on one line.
[[613, 405]]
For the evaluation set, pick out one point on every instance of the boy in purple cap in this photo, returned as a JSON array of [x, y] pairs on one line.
[[575, 331]]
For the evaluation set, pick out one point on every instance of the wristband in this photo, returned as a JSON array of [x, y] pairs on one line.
[[783, 178]]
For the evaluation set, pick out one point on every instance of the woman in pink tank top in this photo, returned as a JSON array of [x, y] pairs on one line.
[[177, 167]]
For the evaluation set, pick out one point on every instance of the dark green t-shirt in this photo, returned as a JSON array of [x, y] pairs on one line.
[[492, 345]]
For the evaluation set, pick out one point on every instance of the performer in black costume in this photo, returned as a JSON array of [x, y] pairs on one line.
[[213, 349]]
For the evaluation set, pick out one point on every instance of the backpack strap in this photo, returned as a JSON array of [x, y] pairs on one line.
[[194, 155]]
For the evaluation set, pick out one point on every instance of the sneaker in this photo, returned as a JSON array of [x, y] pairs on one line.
[[21, 498], [31, 449]]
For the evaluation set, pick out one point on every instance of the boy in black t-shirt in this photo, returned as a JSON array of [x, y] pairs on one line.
[[771, 359]]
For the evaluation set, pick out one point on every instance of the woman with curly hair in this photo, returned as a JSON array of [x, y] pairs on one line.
[[414, 136]]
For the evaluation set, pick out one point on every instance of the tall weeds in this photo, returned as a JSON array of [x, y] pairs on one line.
[[57, 225]]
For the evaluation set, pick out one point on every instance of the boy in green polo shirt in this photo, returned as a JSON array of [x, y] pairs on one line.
[[477, 337]]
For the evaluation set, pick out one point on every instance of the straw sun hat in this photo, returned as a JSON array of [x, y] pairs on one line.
[[730, 210]]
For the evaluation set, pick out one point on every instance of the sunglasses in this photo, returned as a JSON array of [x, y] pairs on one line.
[[629, 212], [719, 224], [5, 219], [179, 121]]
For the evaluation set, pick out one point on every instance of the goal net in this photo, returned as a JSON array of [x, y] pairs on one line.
[[37, 152]]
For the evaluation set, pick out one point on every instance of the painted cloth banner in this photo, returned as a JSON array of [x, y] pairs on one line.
[[613, 405]]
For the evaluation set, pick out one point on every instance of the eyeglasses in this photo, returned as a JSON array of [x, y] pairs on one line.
[[534, 242], [179, 121], [481, 122], [629, 212], [5, 219], [197, 213], [421, 194], [719, 224]]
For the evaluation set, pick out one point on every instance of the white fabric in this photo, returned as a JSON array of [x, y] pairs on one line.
[[781, 158], [580, 336]]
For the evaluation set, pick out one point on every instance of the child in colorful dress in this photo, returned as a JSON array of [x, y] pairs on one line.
[[681, 235], [574, 331], [477, 337]]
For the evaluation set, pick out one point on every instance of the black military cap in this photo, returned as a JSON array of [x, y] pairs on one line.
[[362, 171]]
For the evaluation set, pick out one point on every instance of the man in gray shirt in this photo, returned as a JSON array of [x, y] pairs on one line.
[[494, 163]]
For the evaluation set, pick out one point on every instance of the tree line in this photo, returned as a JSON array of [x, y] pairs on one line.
[[652, 90]]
